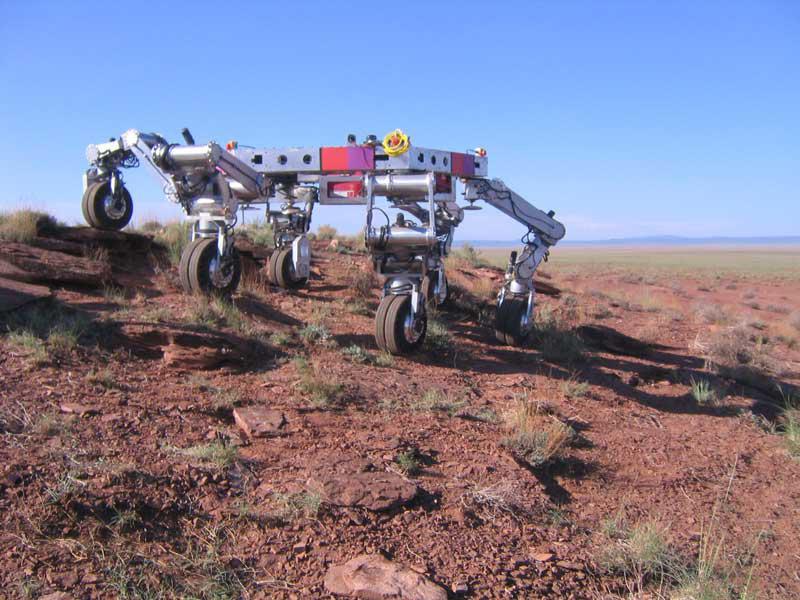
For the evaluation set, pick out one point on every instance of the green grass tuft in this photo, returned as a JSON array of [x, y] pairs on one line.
[[24, 225]]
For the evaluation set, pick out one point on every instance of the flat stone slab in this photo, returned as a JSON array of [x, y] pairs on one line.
[[14, 294], [82, 410], [373, 577], [374, 490], [259, 421]]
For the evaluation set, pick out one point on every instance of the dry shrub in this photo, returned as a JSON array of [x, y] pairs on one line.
[[737, 353], [321, 388], [556, 340], [711, 314], [535, 437], [794, 320], [362, 283], [24, 225], [464, 301], [469, 255], [260, 233], [504, 496], [175, 236], [326, 232]]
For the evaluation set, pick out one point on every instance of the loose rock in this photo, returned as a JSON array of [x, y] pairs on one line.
[[373, 577], [81, 410], [375, 491], [258, 421]]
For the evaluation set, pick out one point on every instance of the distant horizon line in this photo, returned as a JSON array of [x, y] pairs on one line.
[[654, 240]]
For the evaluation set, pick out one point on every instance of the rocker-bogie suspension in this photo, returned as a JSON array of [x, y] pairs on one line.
[[212, 183]]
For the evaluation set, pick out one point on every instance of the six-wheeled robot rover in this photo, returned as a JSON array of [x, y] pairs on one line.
[[211, 183]]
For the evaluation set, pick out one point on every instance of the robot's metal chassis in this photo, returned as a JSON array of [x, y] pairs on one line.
[[212, 183]]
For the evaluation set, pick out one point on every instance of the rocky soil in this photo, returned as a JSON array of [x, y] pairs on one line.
[[157, 445]]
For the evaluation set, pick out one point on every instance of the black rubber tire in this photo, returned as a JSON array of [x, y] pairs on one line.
[[380, 320], [199, 274], [508, 321], [394, 323], [272, 267], [428, 287], [183, 266], [284, 271], [93, 205]]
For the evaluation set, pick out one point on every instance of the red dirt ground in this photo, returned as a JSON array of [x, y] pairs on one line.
[[106, 504]]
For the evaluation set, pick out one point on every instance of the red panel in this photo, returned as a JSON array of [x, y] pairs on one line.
[[444, 183], [333, 158], [345, 189], [462, 164], [347, 158]]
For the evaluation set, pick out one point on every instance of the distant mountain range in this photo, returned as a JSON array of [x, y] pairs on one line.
[[656, 240]]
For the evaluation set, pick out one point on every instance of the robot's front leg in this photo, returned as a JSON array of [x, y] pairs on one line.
[[516, 300], [107, 203], [210, 263]]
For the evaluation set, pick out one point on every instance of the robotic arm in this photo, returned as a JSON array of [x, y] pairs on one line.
[[515, 301]]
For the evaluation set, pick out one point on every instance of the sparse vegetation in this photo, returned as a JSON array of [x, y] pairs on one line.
[[104, 378], [115, 295], [711, 314], [778, 309], [280, 338], [298, 504], [703, 392], [322, 390], [470, 255], [737, 353], [326, 232], [357, 354], [572, 388], [219, 312], [438, 400], [24, 225], [790, 425], [438, 337], [315, 333], [535, 437], [48, 425], [361, 283], [217, 453], [384, 359], [409, 462], [46, 331], [259, 233], [175, 236], [556, 341], [643, 554], [503, 496], [358, 306], [486, 414]]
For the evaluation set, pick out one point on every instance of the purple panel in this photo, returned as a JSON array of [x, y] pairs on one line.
[[360, 158]]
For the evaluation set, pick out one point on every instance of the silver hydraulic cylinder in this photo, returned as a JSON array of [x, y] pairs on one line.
[[405, 186], [210, 158]]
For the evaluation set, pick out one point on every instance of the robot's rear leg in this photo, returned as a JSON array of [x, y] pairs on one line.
[[290, 264]]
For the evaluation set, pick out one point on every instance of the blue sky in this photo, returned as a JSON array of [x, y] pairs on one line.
[[626, 118]]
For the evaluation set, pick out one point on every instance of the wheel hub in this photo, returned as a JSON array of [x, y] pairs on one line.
[[114, 207], [220, 272], [525, 321], [412, 328]]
